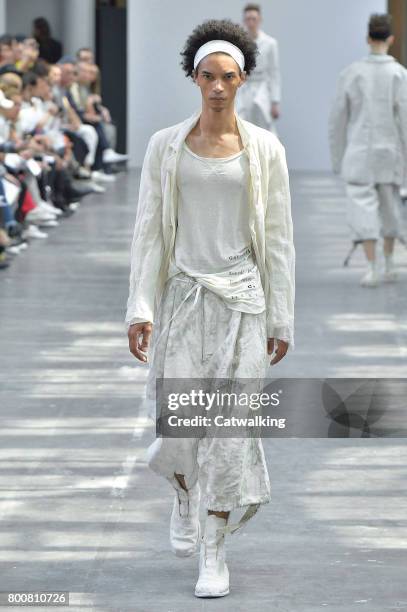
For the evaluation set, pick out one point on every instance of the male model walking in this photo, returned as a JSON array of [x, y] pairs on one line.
[[368, 141], [212, 283], [259, 100]]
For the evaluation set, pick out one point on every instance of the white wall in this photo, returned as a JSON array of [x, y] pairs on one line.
[[20, 14], [317, 38], [78, 18], [3, 23], [72, 21]]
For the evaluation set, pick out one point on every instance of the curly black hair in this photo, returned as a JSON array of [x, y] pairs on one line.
[[222, 29]]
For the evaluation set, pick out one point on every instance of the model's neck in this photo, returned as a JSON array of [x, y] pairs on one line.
[[217, 122], [379, 49], [254, 34]]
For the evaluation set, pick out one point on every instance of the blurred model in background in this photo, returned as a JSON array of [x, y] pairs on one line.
[[368, 141], [259, 100]]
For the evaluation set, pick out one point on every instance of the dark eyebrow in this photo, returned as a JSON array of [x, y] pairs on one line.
[[229, 72]]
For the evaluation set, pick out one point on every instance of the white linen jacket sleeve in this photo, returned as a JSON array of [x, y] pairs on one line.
[[147, 245], [338, 124], [279, 252], [273, 68]]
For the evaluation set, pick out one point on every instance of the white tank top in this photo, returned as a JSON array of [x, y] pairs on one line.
[[213, 240]]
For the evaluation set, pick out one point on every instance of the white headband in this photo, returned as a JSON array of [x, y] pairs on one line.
[[219, 45]]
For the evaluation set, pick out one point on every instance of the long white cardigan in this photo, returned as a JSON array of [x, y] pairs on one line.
[[270, 224]]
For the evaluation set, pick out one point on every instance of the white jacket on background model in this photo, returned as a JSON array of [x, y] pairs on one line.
[[368, 122]]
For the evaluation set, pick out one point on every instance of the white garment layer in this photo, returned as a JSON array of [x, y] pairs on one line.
[[263, 86], [197, 336], [254, 105], [271, 224], [374, 211], [90, 136], [213, 240], [368, 122]]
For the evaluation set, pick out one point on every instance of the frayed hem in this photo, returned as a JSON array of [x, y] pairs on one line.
[[217, 506]]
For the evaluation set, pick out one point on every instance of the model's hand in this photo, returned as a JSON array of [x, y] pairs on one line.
[[282, 348], [275, 110], [136, 345]]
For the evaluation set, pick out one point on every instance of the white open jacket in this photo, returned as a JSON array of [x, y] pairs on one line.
[[270, 224]]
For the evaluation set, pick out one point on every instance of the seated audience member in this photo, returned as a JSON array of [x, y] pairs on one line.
[[6, 50], [18, 46], [53, 128], [91, 107], [103, 155], [30, 59]]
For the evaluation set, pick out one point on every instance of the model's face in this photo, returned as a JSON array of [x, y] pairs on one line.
[[31, 49], [84, 74], [6, 54], [41, 89], [68, 74], [94, 72], [218, 78], [252, 22], [86, 56], [12, 113], [54, 75], [18, 48]]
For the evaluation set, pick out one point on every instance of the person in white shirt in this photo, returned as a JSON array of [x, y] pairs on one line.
[[368, 142], [259, 100], [212, 283]]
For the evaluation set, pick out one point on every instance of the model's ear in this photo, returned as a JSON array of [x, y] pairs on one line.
[[243, 76], [194, 75]]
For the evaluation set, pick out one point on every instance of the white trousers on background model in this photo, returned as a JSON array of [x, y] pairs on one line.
[[374, 210]]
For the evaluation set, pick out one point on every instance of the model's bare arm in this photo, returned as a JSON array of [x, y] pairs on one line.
[[139, 339]]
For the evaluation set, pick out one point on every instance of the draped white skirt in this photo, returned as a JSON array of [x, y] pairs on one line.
[[197, 336]]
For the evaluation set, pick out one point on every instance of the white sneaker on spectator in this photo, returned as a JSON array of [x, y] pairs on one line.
[[51, 208], [32, 231], [98, 175], [96, 188], [47, 211], [37, 215], [112, 157], [16, 248]]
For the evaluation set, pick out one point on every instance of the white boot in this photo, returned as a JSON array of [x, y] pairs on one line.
[[185, 528], [213, 578], [371, 278], [390, 274]]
